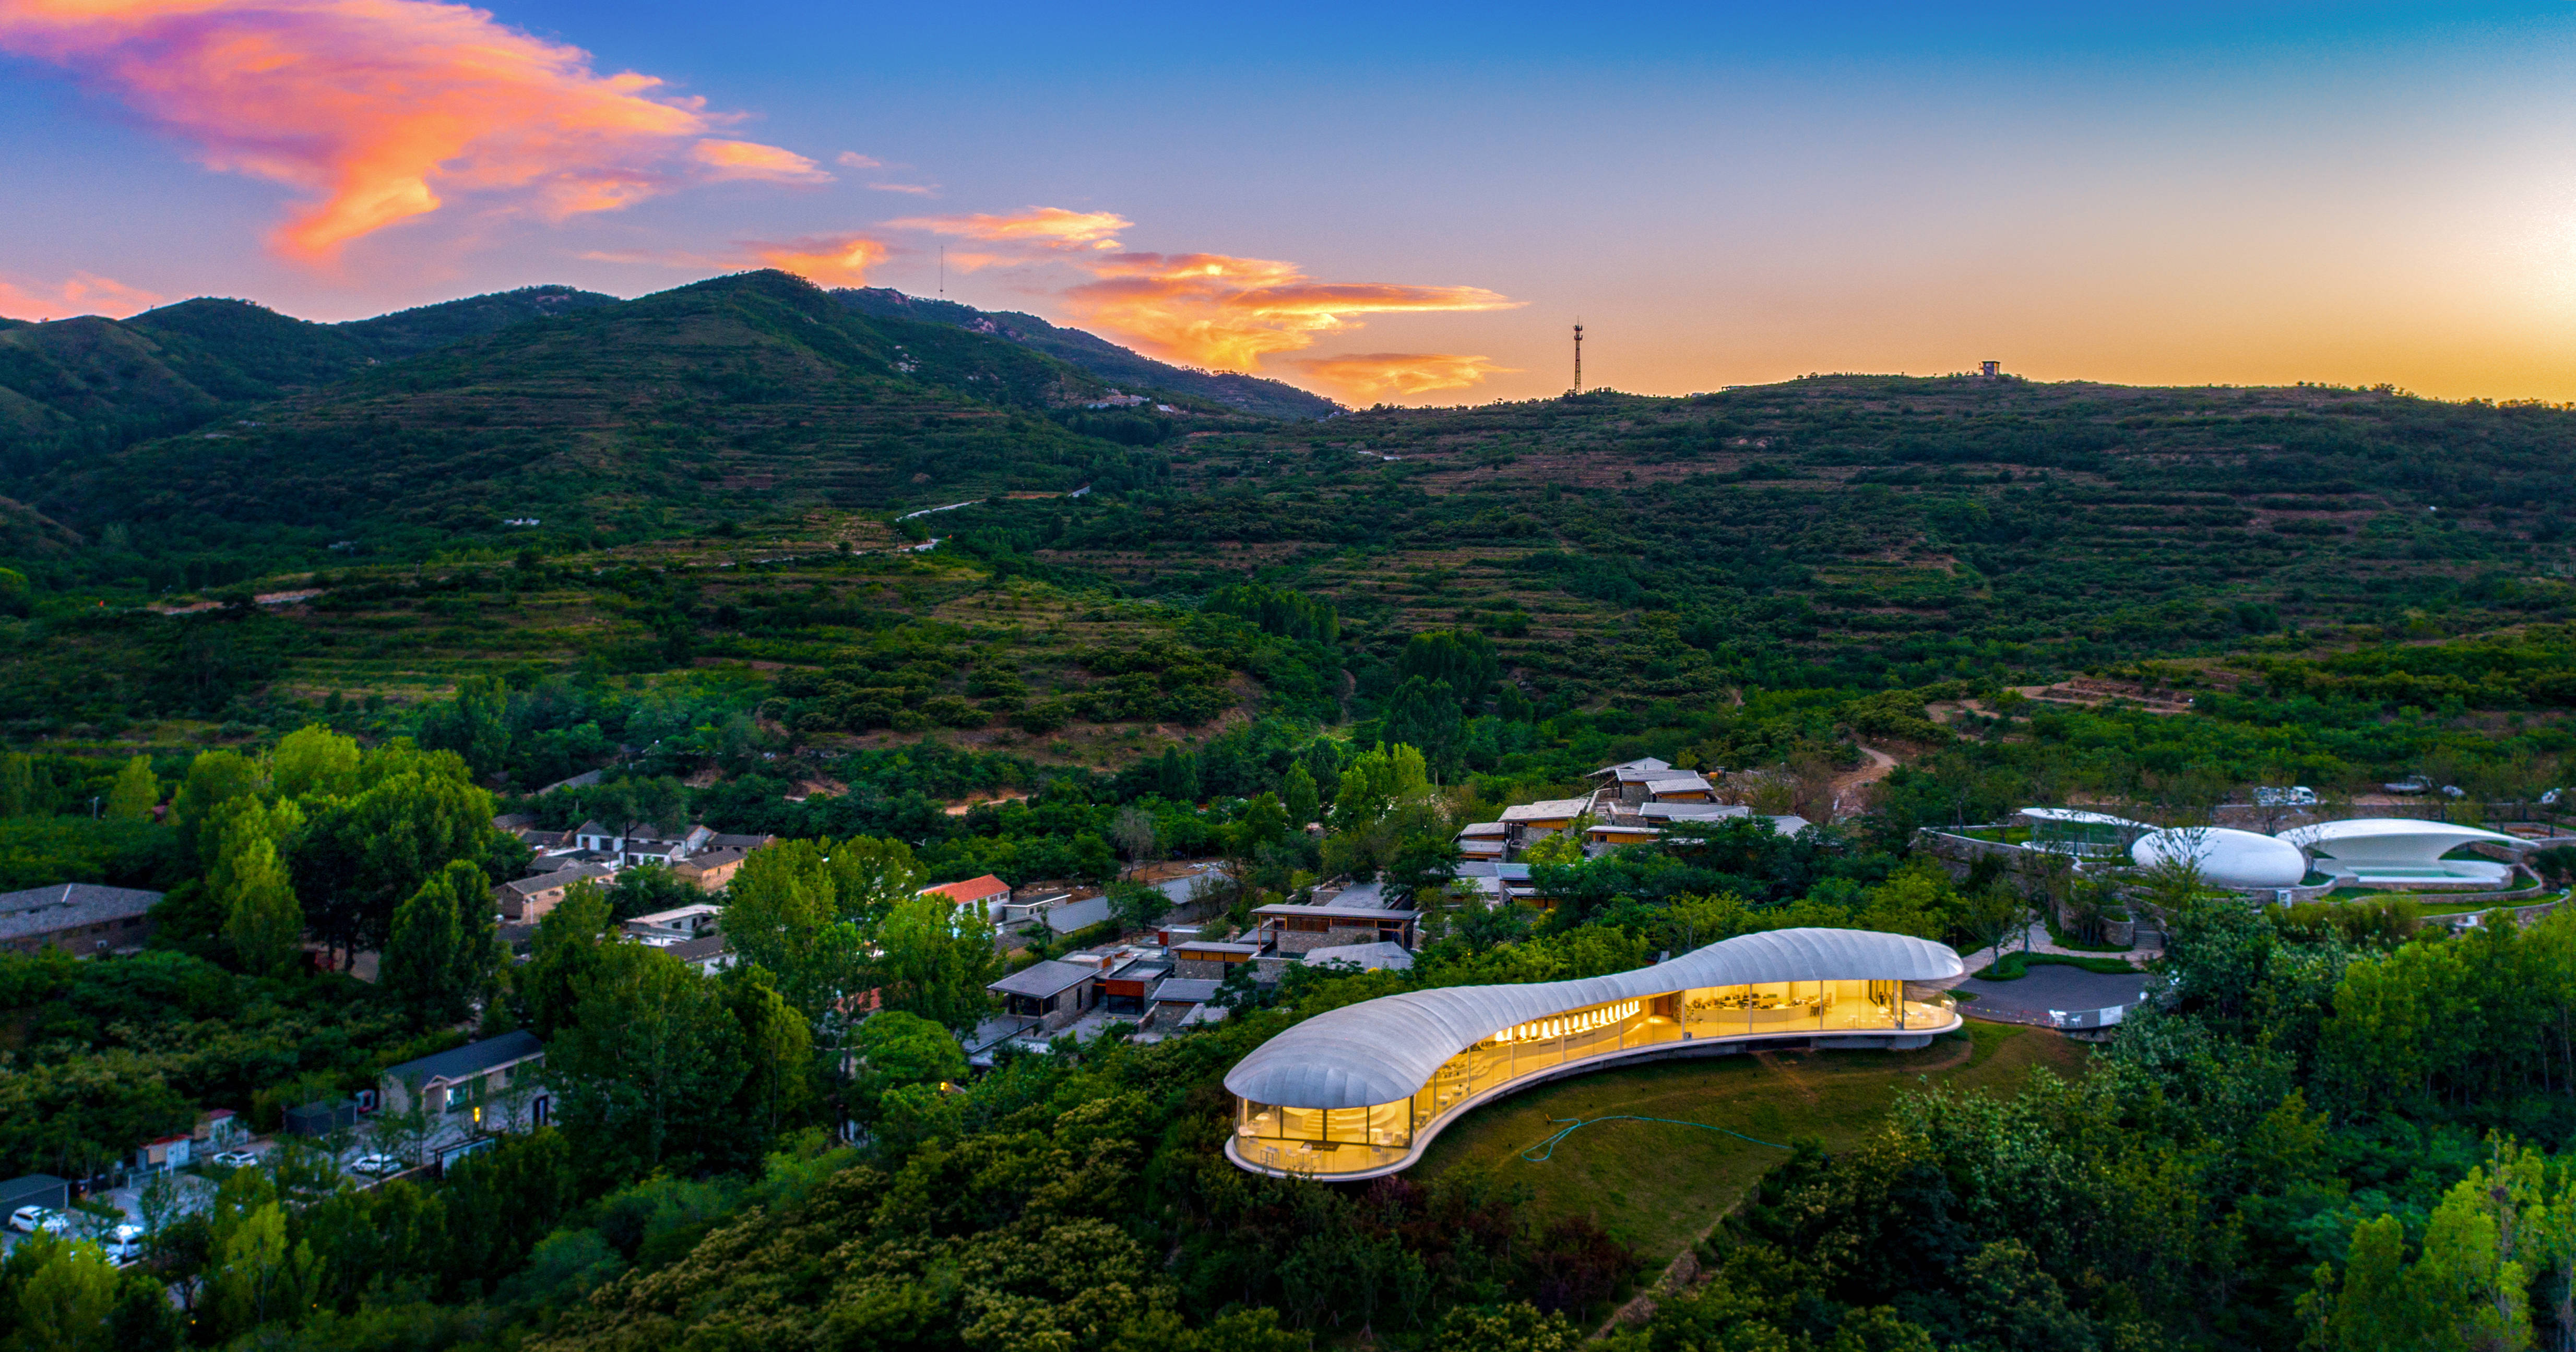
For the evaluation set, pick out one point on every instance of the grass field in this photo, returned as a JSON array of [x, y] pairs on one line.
[[1659, 1187]]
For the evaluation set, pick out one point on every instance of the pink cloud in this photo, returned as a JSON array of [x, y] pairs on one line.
[[378, 110], [916, 189], [86, 293]]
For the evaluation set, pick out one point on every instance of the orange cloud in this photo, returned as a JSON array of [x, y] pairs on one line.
[[1047, 227], [86, 293], [1213, 310], [1368, 374], [750, 159], [836, 260], [378, 109]]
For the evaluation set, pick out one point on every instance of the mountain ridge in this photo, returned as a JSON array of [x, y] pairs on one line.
[[1258, 395]]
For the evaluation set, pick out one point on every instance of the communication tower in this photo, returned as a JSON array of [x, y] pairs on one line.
[[1578, 356]]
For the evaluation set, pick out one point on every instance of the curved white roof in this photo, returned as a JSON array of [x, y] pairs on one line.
[[2390, 840], [1382, 1050], [2228, 857]]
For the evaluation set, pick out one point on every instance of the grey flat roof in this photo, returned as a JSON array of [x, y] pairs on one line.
[[44, 910], [1361, 894], [1212, 946], [472, 1059], [1079, 915], [1336, 912], [1382, 1050], [1041, 980], [1195, 990], [1547, 809], [1370, 956]]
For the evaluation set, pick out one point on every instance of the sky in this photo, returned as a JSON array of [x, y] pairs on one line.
[[1399, 203]]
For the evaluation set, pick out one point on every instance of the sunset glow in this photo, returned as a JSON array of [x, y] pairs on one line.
[[1755, 193], [375, 110]]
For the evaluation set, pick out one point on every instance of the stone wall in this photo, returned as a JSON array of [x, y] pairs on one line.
[[1294, 941]]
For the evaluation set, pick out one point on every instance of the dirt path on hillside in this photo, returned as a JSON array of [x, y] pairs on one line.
[[1849, 783]]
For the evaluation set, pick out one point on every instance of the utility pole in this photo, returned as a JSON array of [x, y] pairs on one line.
[[1578, 356]]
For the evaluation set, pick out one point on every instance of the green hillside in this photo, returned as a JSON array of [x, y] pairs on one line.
[[81, 387], [736, 399], [1243, 393]]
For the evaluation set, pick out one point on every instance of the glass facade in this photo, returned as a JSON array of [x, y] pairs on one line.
[[1324, 1142]]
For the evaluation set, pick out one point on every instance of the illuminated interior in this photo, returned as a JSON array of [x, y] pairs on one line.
[[1324, 1142]]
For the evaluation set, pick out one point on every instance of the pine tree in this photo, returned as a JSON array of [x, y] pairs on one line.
[[134, 794]]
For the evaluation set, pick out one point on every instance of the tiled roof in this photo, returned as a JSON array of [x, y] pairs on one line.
[[472, 1059]]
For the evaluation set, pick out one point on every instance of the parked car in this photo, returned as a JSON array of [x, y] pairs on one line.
[[27, 1220], [2298, 796], [2410, 784], [378, 1165], [2453, 791], [236, 1159], [124, 1243]]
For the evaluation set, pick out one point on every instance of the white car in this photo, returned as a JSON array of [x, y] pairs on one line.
[[27, 1220], [377, 1164], [124, 1243], [2298, 796], [236, 1159]]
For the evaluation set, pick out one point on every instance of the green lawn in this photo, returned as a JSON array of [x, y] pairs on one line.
[[1659, 1187]]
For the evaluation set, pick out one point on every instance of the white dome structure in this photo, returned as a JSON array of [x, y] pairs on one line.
[[2403, 851], [2244, 860]]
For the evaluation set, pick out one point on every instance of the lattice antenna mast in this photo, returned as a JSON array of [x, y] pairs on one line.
[[1578, 356]]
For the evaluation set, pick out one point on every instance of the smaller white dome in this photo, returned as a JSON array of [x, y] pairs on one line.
[[2228, 858]]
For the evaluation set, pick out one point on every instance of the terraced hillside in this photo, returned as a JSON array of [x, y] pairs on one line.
[[1876, 528]]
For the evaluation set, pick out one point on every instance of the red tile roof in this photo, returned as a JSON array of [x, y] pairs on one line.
[[973, 889]]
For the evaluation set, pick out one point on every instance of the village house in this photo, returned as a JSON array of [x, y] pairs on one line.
[[1209, 959], [475, 1080], [987, 892], [528, 899], [1680, 788], [1532, 822], [642, 842], [82, 919], [1054, 992], [1484, 840]]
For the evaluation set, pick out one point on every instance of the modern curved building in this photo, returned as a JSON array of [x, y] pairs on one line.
[[2403, 852], [2243, 860], [1360, 1091]]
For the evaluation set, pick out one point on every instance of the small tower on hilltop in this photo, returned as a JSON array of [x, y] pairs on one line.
[[1990, 369], [1578, 356]]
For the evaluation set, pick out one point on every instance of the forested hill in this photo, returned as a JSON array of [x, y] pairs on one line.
[[87, 385], [1105, 359], [744, 395]]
